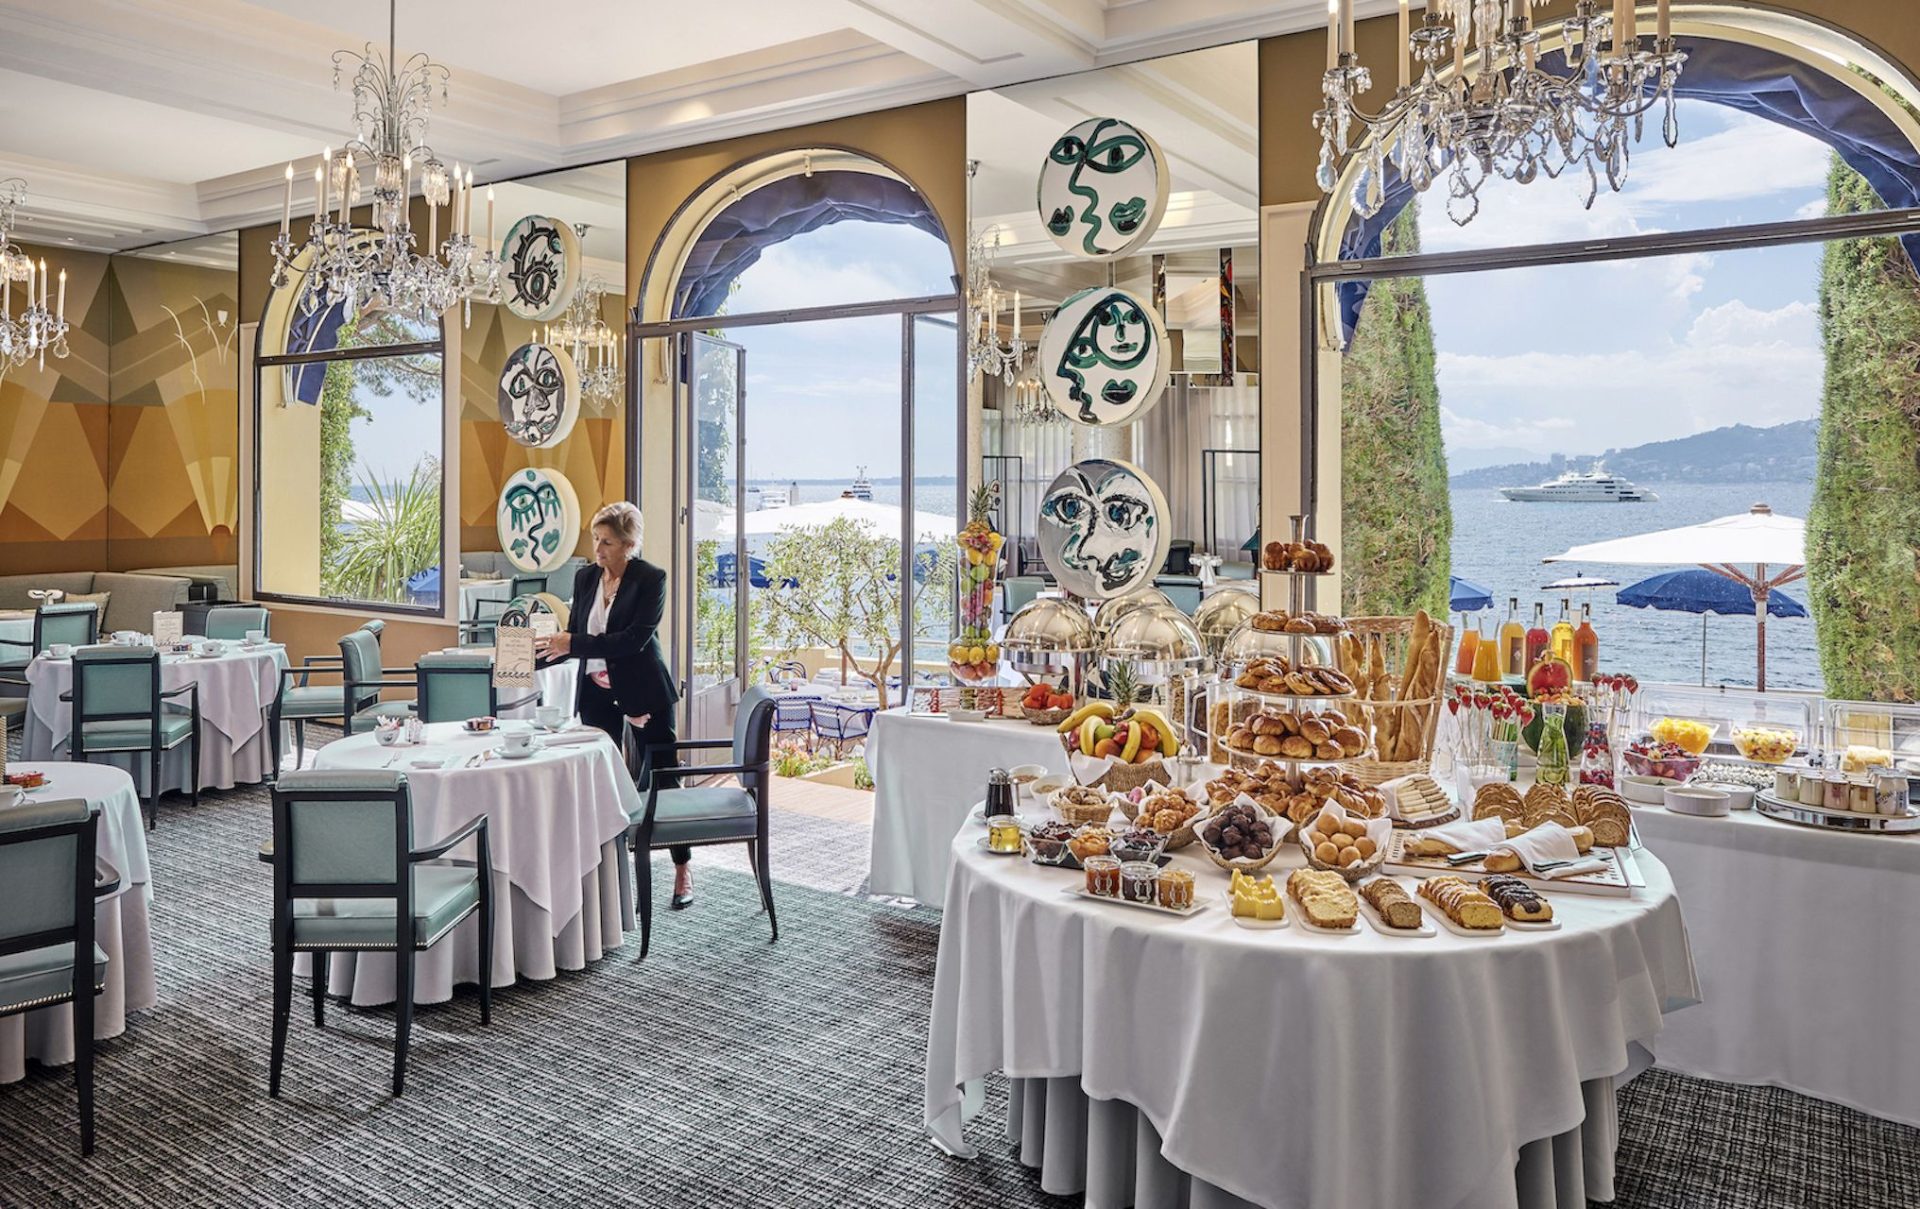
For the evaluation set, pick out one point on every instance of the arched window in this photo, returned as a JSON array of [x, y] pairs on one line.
[[348, 453]]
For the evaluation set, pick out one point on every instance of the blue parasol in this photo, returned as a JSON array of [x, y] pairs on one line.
[[1465, 596], [1703, 592]]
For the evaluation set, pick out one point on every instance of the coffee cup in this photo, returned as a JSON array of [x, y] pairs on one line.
[[256, 637], [214, 646], [517, 741], [549, 716], [59, 650]]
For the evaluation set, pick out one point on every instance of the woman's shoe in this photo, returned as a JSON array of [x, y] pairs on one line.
[[682, 888]]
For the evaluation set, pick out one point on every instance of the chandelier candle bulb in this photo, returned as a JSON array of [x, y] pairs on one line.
[[286, 207], [466, 225], [1346, 27], [43, 283], [325, 172], [1016, 316], [1406, 46], [63, 294], [1663, 20], [491, 242], [1333, 34]]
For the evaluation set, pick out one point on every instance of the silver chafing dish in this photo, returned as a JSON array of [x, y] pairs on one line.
[[1222, 612], [1050, 639]]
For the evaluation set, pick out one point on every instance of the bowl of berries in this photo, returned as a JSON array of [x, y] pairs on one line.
[[1046, 704], [1660, 758]]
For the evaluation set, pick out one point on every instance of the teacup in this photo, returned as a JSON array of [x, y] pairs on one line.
[[214, 646], [517, 741], [256, 637], [386, 736], [11, 795], [59, 650], [549, 716]]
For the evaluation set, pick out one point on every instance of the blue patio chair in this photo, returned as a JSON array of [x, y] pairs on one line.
[[47, 952], [841, 724], [346, 877], [793, 712]]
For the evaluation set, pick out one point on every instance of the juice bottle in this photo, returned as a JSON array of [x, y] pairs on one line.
[[1563, 633], [1536, 637], [1469, 643], [1486, 659], [1586, 647], [1513, 641]]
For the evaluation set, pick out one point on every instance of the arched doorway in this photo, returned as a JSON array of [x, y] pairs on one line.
[[800, 326]]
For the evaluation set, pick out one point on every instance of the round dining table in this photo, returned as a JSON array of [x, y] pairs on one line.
[[1160, 1060], [237, 687], [556, 826], [122, 926]]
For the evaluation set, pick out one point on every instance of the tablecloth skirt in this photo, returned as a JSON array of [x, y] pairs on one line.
[[124, 931], [1111, 1151], [222, 765], [527, 942]]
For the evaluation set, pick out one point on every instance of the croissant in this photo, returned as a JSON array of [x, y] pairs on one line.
[[1271, 745], [1315, 730], [1296, 747]]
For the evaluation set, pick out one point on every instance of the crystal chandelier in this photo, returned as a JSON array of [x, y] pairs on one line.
[[36, 329], [985, 353], [1031, 404], [1499, 114], [365, 269], [587, 338]]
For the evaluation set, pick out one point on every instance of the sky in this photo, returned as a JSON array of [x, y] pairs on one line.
[[1582, 358]]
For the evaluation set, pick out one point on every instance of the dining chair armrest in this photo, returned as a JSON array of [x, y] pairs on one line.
[[106, 878], [688, 745], [67, 696], [24, 643], [440, 847], [708, 770], [532, 698], [303, 671], [191, 686]]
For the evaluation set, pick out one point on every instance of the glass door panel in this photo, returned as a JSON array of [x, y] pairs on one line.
[[935, 494], [713, 572]]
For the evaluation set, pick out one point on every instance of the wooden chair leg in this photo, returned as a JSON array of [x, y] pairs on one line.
[[486, 954], [299, 743], [83, 1048], [196, 759], [273, 741], [282, 1011], [153, 788], [643, 888], [320, 963], [763, 870], [402, 1016]]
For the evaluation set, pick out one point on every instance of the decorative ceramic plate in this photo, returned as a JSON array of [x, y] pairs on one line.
[[1103, 529], [538, 519], [539, 267], [1103, 189], [1103, 357], [539, 395]]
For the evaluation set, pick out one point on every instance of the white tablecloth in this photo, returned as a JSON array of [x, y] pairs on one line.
[[557, 820], [1295, 1069], [236, 689], [473, 591], [928, 775], [1808, 957], [120, 923]]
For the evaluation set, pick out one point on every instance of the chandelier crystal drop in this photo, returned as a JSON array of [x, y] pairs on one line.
[[365, 269], [31, 326], [1498, 114], [594, 346], [985, 353], [1031, 404]]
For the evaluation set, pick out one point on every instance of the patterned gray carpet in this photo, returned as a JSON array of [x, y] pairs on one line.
[[724, 1071]]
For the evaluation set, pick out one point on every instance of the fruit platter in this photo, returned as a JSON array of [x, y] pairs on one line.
[[1132, 739], [1046, 704], [973, 657], [1654, 757]]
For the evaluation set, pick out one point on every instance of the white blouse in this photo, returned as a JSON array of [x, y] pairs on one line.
[[597, 625]]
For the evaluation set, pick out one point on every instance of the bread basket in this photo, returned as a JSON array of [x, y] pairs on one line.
[[1077, 814], [1418, 716], [1045, 717], [1278, 823], [1181, 836], [1378, 830], [1125, 778]]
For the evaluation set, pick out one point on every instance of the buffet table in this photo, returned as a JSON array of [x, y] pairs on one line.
[[1163, 1061], [236, 688], [928, 774], [1840, 962], [121, 923], [558, 822]]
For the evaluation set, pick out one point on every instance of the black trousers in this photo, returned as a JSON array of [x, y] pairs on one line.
[[597, 708]]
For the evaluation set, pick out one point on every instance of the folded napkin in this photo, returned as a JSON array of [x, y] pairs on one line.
[[1549, 842], [1467, 835], [567, 738]]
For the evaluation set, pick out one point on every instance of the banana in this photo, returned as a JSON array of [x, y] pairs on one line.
[[1089, 735], [1169, 741], [1092, 709], [1132, 747]]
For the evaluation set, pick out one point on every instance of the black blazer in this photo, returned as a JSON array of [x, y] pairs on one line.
[[636, 666]]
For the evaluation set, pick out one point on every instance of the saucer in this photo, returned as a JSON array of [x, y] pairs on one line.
[[507, 753]]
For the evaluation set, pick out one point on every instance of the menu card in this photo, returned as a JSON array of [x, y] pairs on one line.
[[545, 625], [167, 628], [512, 657]]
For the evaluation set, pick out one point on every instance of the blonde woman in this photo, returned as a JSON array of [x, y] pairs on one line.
[[625, 688]]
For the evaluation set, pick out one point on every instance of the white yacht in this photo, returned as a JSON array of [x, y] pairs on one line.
[[1594, 486], [862, 488], [773, 497]]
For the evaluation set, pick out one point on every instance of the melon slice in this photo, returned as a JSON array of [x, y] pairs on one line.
[[1551, 675]]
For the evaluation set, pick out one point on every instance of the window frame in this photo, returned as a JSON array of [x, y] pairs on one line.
[[264, 364]]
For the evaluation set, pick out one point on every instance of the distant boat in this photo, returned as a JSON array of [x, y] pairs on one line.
[[862, 488], [1594, 486], [773, 497]]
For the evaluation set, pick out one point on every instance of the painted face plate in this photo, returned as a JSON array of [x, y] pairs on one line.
[[538, 519], [1103, 357], [1103, 189], [539, 395], [1103, 529], [539, 267]]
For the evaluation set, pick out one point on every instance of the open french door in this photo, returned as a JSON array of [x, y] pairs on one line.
[[711, 572]]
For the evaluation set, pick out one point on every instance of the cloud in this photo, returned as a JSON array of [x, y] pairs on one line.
[[1750, 158], [1795, 325]]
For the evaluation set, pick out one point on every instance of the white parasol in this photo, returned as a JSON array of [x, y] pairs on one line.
[[883, 517], [1755, 548]]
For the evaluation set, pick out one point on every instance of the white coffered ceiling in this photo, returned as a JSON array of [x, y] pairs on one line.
[[139, 121]]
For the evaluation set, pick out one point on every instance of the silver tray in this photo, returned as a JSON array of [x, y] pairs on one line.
[[1833, 820]]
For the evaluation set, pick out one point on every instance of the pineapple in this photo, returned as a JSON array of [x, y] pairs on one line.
[[980, 503], [1124, 687]]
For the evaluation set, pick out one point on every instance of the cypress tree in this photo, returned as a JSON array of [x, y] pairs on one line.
[[1397, 518], [1863, 530]]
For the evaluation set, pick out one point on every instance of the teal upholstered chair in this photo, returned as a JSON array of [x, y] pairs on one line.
[[46, 918], [354, 702], [454, 687], [233, 621], [1021, 590], [346, 877], [709, 814], [118, 707], [74, 624]]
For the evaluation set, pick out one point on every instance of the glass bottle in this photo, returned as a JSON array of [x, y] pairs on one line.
[[1563, 633], [1552, 754], [1469, 643], [1486, 658], [1586, 647], [1537, 637], [1513, 641]]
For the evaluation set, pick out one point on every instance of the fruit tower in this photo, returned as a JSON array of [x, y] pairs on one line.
[[973, 657]]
